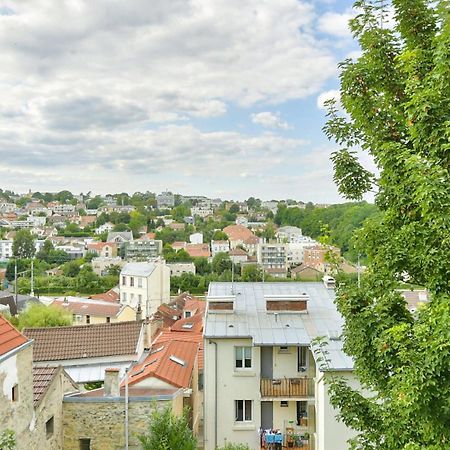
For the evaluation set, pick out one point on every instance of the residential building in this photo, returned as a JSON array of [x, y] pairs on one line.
[[165, 200], [178, 268], [85, 351], [112, 296], [260, 367], [6, 247], [142, 250], [289, 234], [219, 247], [238, 235], [86, 311], [104, 227], [63, 208], [238, 256], [295, 251], [272, 256], [196, 238], [242, 220], [119, 237], [270, 205], [95, 419], [145, 284], [30, 398], [101, 265], [316, 256], [306, 273], [202, 211], [198, 250], [103, 249]]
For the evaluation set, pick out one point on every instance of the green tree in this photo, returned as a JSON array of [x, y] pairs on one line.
[[71, 268], [202, 266], [397, 100], [251, 272], [168, 432], [41, 316], [7, 440], [221, 262], [234, 208], [219, 235], [23, 244]]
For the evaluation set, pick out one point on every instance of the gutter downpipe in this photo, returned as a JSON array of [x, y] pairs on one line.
[[215, 392], [126, 408]]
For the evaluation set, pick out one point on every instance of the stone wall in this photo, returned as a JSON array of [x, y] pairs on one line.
[[103, 422]]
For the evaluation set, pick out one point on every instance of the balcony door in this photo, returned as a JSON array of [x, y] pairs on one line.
[[266, 362], [266, 415]]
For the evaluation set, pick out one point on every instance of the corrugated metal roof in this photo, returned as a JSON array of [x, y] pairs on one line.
[[250, 318]]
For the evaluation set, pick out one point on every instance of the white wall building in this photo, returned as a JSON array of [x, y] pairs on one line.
[[104, 227], [202, 211], [6, 247], [196, 238], [165, 200], [219, 247], [260, 370], [289, 234], [177, 269], [295, 251], [145, 284]]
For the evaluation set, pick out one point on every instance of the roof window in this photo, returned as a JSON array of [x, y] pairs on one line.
[[176, 360]]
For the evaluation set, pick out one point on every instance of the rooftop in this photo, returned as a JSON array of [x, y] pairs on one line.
[[85, 341], [42, 378], [84, 306], [250, 319], [10, 337], [138, 269]]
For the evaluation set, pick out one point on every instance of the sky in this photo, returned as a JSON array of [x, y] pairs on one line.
[[220, 98]]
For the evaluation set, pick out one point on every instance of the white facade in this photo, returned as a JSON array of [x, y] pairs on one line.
[[272, 256], [6, 247], [145, 284], [201, 211], [177, 269], [219, 247], [63, 209], [289, 234], [295, 251], [104, 227], [196, 238], [165, 199]]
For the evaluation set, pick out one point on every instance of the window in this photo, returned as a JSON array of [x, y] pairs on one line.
[[302, 411], [200, 381], [139, 298], [88, 319], [85, 444], [108, 319], [124, 296], [243, 357], [187, 314], [124, 281], [284, 404], [302, 358], [15, 393], [131, 297], [139, 282], [283, 349], [49, 427], [131, 281], [243, 410]]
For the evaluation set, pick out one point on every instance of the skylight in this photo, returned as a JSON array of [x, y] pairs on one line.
[[187, 325], [179, 361]]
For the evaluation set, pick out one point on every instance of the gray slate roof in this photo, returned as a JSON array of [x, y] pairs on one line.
[[250, 318], [138, 269]]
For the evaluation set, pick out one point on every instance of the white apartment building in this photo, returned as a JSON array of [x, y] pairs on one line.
[[289, 234], [295, 251], [6, 247], [165, 199], [196, 238], [63, 209], [260, 371], [104, 227], [219, 247], [202, 211], [272, 255], [145, 284]]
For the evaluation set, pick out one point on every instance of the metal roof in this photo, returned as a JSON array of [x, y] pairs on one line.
[[251, 320], [138, 269]]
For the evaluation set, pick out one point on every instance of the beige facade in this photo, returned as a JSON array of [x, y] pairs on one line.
[[101, 419], [125, 314]]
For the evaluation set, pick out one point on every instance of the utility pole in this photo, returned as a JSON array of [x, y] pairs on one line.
[[32, 278], [15, 284], [126, 408]]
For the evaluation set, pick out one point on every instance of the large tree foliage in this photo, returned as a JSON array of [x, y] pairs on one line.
[[41, 316], [23, 244], [397, 99], [168, 432]]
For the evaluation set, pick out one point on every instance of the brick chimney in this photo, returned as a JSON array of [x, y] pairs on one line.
[[111, 385]]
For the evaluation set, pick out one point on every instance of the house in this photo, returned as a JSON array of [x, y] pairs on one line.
[[104, 227], [178, 268], [103, 249], [86, 311], [178, 245], [316, 256], [196, 238], [165, 200], [239, 235], [23, 301], [277, 272], [176, 226], [95, 419], [86, 221], [30, 398], [112, 296], [306, 273], [238, 255], [295, 251], [242, 220], [85, 351], [145, 284], [142, 249], [119, 237], [262, 370], [198, 250], [219, 247], [202, 211], [289, 234], [100, 265]]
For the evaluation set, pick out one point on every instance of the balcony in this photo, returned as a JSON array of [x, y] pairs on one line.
[[287, 387]]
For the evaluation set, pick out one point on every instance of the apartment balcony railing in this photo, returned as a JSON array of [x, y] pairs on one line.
[[287, 387]]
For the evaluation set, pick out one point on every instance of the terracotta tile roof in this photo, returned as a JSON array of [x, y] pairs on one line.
[[167, 336], [195, 305], [89, 307], [171, 362], [168, 311], [193, 324], [178, 245], [238, 252], [85, 341], [108, 296], [251, 240], [10, 337], [237, 232], [198, 250], [132, 392], [147, 237], [42, 378]]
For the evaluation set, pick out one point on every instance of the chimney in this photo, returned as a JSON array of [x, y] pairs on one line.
[[111, 385]]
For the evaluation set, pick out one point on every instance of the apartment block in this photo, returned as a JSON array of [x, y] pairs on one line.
[[260, 367], [272, 255]]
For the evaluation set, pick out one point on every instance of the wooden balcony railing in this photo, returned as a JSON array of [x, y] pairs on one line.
[[287, 387]]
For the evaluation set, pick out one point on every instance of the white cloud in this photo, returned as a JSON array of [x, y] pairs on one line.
[[328, 95], [269, 120], [336, 24]]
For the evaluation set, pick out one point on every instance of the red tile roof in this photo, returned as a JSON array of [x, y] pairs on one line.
[[171, 362], [147, 237], [88, 307], [198, 250], [193, 324], [85, 341], [108, 296], [238, 252], [195, 305], [237, 232], [10, 337]]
